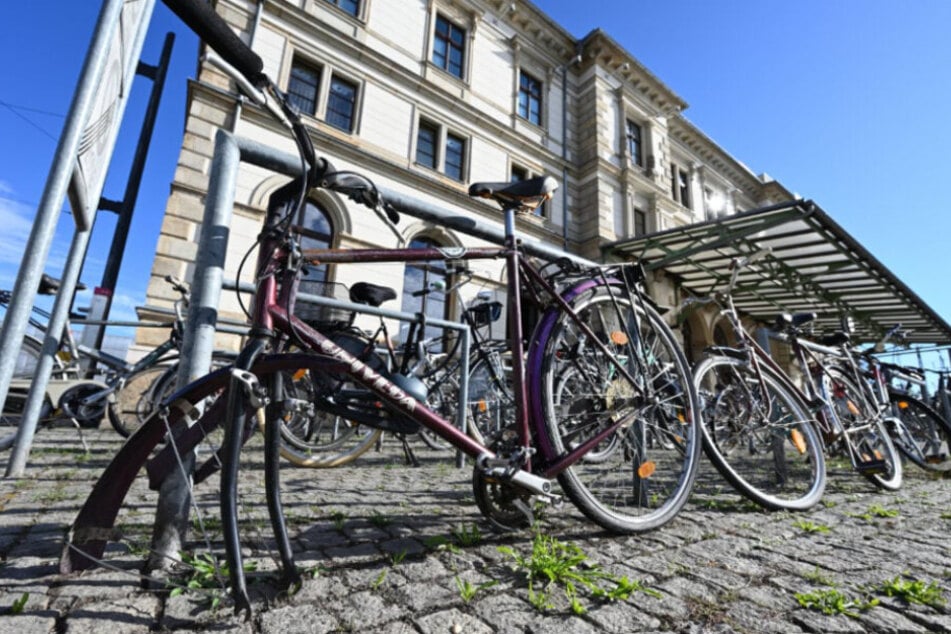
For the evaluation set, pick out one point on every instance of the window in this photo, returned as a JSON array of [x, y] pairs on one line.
[[426, 275], [350, 6], [680, 185], [315, 91], [441, 150], [635, 143], [518, 174], [426, 145], [455, 157], [640, 222], [426, 142], [529, 98], [449, 46], [342, 103], [302, 87]]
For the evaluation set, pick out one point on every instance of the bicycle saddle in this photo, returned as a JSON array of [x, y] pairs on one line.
[[835, 339], [523, 194], [50, 285], [794, 320], [367, 293]]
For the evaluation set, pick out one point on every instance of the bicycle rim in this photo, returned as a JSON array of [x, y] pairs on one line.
[[762, 444], [923, 436], [644, 482]]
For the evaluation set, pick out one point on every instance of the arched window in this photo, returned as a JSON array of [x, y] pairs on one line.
[[426, 275], [317, 232]]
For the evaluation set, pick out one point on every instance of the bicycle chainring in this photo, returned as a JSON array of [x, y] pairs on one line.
[[506, 508]]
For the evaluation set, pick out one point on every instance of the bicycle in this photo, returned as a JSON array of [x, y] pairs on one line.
[[918, 431], [125, 393], [650, 395], [756, 425]]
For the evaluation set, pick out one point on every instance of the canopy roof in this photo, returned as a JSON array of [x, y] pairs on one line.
[[812, 265]]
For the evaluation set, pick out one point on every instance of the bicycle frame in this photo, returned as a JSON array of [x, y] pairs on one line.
[[273, 316]]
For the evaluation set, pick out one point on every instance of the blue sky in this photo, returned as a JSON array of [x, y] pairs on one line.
[[844, 102]]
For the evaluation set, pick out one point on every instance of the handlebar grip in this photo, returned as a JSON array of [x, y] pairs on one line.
[[214, 31]]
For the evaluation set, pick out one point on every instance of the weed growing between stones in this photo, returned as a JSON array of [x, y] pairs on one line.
[[554, 564], [914, 591], [834, 602]]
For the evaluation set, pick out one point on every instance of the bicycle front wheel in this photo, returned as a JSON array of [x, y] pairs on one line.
[[924, 437], [762, 442], [644, 482]]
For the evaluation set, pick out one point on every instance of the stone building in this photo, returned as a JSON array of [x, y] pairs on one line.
[[427, 96]]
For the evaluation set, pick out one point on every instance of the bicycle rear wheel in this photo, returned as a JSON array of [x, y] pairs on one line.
[[491, 406], [762, 443], [314, 438], [645, 482], [926, 437], [866, 437]]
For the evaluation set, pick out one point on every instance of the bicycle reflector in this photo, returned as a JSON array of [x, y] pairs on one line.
[[646, 469], [798, 440]]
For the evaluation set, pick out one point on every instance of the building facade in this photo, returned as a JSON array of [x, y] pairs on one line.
[[427, 96]]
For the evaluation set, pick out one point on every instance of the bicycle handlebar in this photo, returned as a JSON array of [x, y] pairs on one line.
[[210, 27]]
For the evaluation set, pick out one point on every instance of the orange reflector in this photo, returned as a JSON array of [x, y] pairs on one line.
[[300, 374], [798, 440], [852, 408], [681, 418], [646, 469], [483, 407], [878, 455], [902, 404], [619, 338]]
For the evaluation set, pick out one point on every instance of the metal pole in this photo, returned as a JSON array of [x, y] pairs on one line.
[[114, 261], [44, 365], [44, 226], [171, 514]]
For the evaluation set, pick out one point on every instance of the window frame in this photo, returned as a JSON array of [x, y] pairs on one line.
[[680, 185], [328, 76], [529, 95], [358, 6], [447, 41], [300, 64], [337, 78], [637, 157], [442, 136]]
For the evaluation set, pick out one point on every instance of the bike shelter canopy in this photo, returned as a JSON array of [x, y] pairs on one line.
[[807, 263]]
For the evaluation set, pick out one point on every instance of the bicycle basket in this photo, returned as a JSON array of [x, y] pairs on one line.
[[323, 318], [484, 314]]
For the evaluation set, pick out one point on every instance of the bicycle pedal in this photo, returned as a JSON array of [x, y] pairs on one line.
[[936, 458], [871, 466]]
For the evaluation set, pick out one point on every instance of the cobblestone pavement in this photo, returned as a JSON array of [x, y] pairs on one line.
[[390, 548]]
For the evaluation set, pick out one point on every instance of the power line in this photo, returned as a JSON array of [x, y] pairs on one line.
[[30, 109], [25, 118]]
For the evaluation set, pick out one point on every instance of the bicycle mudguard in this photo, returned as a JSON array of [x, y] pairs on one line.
[[533, 369], [93, 527]]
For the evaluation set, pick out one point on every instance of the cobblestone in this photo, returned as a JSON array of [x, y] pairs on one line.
[[381, 547]]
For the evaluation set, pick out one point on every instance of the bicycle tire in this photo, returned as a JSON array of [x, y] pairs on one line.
[[777, 462], [928, 434], [316, 439], [643, 485], [145, 389], [867, 435], [443, 398], [490, 402]]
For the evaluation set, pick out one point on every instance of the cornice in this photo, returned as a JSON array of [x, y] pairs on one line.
[[684, 132]]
